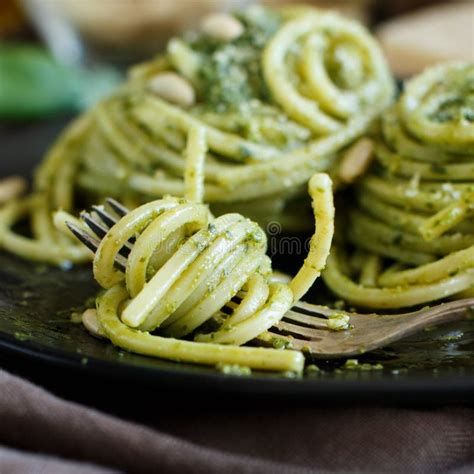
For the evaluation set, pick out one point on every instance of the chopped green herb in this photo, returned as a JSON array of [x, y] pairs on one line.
[[234, 369], [338, 322]]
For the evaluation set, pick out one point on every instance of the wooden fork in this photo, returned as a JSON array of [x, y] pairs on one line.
[[306, 326]]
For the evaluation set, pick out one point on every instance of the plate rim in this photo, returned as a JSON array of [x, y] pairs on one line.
[[427, 384], [417, 385]]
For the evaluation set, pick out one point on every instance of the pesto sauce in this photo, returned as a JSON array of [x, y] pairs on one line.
[[312, 369], [234, 369], [454, 108], [354, 364], [280, 343], [22, 336], [230, 73], [338, 322]]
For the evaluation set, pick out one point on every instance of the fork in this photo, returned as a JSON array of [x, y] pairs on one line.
[[305, 326]]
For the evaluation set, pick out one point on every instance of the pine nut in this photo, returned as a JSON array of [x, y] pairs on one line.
[[356, 160], [173, 88], [91, 323], [11, 188], [222, 27]]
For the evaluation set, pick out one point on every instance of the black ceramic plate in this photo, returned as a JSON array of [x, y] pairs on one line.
[[36, 302]]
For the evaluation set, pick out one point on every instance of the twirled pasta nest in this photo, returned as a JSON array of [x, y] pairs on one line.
[[413, 227], [278, 103]]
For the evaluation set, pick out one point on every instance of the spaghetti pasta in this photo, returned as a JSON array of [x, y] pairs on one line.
[[278, 103], [185, 266], [415, 210]]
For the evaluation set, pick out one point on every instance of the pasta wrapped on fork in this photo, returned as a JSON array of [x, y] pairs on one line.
[[184, 266]]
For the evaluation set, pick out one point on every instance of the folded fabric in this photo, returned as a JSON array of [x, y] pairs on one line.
[[32, 419], [17, 462], [46, 434]]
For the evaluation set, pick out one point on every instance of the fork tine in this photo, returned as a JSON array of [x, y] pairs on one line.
[[93, 244], [119, 210], [98, 229], [316, 317], [105, 217], [314, 310], [90, 242], [120, 263], [305, 321], [299, 331], [117, 207]]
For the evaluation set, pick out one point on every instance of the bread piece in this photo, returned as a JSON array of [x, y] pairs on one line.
[[431, 35], [359, 10]]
